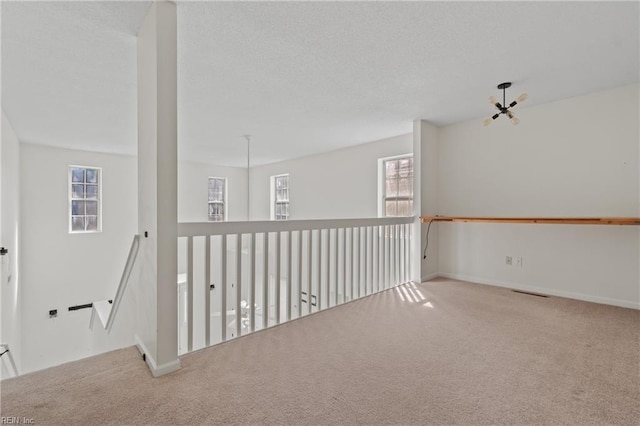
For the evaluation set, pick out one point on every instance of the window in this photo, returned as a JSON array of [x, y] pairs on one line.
[[217, 199], [398, 186], [280, 197], [85, 199]]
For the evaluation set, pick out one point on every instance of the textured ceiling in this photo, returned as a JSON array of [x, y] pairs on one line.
[[303, 77]]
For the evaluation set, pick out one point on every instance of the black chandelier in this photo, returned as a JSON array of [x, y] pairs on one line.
[[502, 107]]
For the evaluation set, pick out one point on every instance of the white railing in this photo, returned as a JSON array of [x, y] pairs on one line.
[[106, 310], [240, 277]]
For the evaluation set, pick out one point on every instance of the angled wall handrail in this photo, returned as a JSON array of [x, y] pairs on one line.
[[5, 351], [106, 310]]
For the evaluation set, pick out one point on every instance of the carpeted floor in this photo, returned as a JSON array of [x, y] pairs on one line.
[[467, 354]]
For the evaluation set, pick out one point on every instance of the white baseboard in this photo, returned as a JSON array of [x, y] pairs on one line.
[[156, 370], [543, 290]]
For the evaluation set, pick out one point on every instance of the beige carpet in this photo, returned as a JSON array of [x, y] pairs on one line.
[[467, 354]]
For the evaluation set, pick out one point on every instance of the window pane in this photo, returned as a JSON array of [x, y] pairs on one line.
[[77, 191], [92, 191], [92, 223], [281, 195], [403, 208], [390, 208], [405, 166], [405, 188], [391, 168], [391, 188], [92, 175], [77, 223], [92, 208], [216, 196], [77, 174], [279, 183], [77, 208], [216, 189]]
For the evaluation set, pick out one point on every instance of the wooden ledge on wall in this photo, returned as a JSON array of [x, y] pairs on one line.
[[543, 220]]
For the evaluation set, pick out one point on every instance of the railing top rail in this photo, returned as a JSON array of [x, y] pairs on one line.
[[194, 229]]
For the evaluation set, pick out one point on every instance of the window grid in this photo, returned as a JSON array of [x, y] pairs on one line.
[[84, 199], [217, 199], [398, 186], [281, 198]]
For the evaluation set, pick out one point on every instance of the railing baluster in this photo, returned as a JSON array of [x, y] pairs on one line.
[[190, 295], [328, 275], [392, 256], [377, 258], [265, 282], [277, 278], [366, 260], [407, 254], [223, 290], [387, 256], [407, 238], [344, 265], [374, 264], [349, 280], [355, 242], [238, 307], [401, 234], [397, 260], [309, 269], [319, 295], [299, 274], [370, 259], [207, 290], [252, 285], [399, 239], [289, 273], [335, 273]]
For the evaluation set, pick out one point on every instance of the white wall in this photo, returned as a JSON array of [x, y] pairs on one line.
[[575, 157], [60, 269], [336, 184], [10, 282]]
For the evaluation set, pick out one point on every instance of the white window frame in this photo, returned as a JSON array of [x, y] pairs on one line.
[[274, 202], [382, 177], [225, 202], [70, 184]]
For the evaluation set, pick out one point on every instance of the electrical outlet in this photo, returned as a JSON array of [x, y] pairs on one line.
[[519, 261], [509, 260]]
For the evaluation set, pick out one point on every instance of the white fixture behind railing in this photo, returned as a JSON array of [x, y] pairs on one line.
[[103, 309], [240, 277]]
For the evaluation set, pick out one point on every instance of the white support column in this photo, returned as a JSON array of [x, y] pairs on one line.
[[425, 197], [155, 295]]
